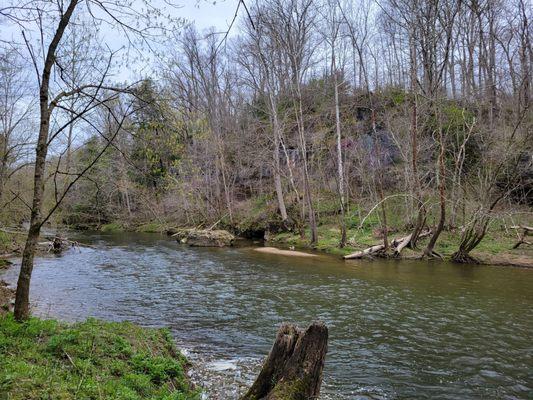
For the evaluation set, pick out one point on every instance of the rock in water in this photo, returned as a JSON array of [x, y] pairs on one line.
[[293, 369], [204, 238]]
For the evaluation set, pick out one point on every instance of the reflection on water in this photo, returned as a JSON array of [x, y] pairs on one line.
[[397, 329]]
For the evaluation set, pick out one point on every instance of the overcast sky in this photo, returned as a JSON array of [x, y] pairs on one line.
[[203, 13], [206, 14]]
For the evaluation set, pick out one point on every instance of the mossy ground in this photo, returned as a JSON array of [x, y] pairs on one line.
[[46, 359], [112, 227], [121, 226]]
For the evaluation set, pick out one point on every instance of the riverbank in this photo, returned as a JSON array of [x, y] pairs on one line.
[[495, 249], [10, 244], [92, 359]]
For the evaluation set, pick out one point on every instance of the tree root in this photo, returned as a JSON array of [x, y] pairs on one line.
[[464, 258]]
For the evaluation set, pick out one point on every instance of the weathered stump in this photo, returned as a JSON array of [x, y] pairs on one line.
[[293, 369]]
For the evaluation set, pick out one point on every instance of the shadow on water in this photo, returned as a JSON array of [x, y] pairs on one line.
[[398, 329]]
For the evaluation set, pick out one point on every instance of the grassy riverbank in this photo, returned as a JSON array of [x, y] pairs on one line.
[[46, 359], [495, 248], [11, 243]]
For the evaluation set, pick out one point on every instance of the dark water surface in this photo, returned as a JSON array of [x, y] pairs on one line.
[[398, 330]]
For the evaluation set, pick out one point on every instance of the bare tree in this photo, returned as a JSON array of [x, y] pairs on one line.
[[15, 116], [37, 16]]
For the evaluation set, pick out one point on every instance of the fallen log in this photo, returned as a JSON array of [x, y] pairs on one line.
[[366, 252], [57, 244], [400, 243], [293, 368]]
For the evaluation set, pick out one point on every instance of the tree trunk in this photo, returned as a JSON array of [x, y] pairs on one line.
[[277, 167], [417, 191], [429, 250], [471, 237], [293, 369], [307, 188], [379, 248], [340, 166], [22, 297]]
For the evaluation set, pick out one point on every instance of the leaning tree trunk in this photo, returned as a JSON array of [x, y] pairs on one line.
[[293, 369]]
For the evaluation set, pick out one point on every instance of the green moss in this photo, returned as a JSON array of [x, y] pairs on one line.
[[290, 390], [151, 227], [112, 227], [91, 360]]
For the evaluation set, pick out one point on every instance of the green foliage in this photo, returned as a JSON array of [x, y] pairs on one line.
[[158, 141], [398, 96], [44, 359]]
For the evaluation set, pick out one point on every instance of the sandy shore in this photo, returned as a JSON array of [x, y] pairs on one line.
[[292, 253]]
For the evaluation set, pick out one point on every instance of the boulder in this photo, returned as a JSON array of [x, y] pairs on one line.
[[204, 238]]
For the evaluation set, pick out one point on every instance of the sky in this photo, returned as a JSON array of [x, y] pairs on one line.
[[207, 13], [203, 13]]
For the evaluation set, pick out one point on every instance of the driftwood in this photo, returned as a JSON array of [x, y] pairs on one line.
[[400, 243], [57, 244], [397, 244], [526, 230], [366, 252], [293, 369]]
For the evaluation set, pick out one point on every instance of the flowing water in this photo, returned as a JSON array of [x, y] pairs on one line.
[[398, 330]]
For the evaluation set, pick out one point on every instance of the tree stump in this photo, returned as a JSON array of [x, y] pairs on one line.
[[293, 369]]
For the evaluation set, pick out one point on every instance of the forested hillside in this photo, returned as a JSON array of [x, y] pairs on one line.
[[319, 118]]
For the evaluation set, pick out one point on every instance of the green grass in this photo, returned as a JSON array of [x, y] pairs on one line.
[[45, 359], [5, 238], [10, 242], [112, 227], [151, 227]]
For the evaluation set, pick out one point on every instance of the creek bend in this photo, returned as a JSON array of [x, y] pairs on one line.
[[398, 329]]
